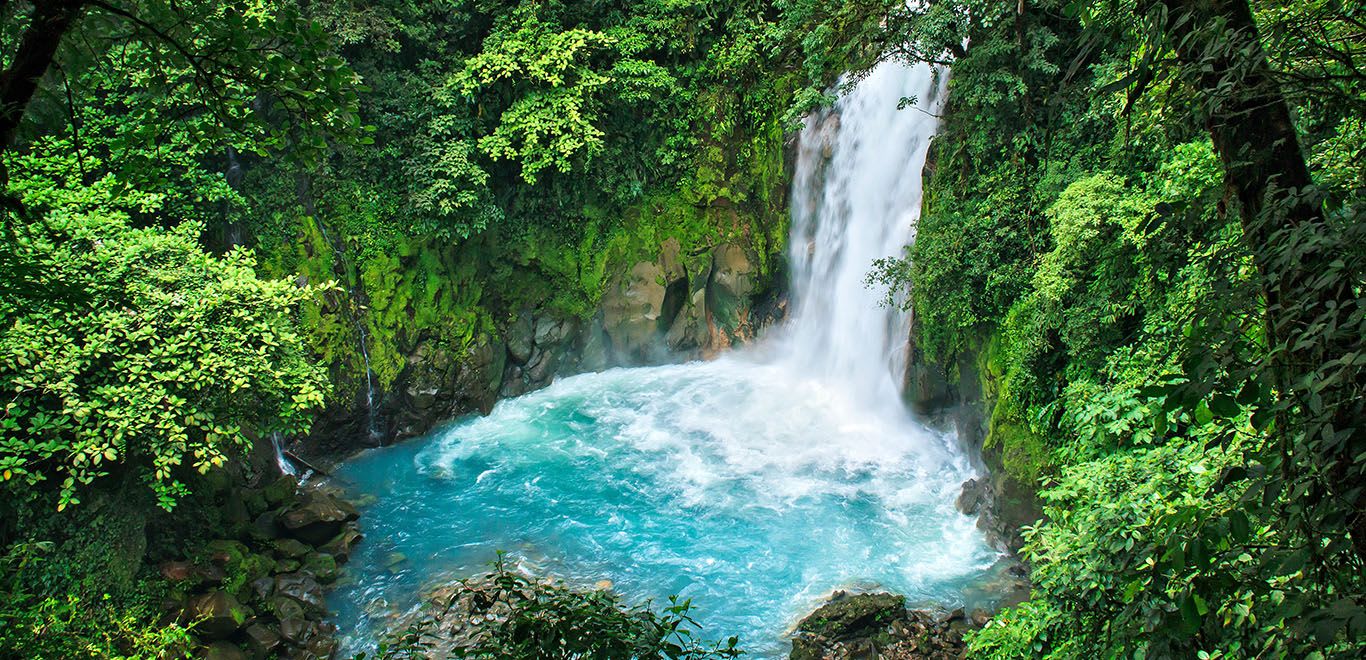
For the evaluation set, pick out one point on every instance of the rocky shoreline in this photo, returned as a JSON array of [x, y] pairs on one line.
[[260, 593]]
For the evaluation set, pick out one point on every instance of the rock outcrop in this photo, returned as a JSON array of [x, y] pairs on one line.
[[878, 626], [261, 595]]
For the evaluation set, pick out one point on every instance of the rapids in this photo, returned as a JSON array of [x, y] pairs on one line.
[[753, 484]]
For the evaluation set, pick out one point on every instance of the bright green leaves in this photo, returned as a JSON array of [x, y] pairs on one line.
[[136, 350], [557, 93]]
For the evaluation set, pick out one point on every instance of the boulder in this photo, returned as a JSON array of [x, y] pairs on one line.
[[262, 640], [550, 332], [323, 644], [976, 492], [281, 490], [340, 546], [217, 614], [322, 565], [879, 626], [263, 587], [688, 331], [176, 571], [316, 517], [520, 337], [286, 608], [291, 548], [670, 261], [728, 292], [296, 630], [302, 588]]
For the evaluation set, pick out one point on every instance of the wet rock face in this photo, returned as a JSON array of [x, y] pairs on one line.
[[317, 517], [631, 309], [1002, 506], [879, 626], [681, 304]]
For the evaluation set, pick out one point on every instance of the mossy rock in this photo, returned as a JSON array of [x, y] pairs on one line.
[[864, 616], [291, 548], [322, 565], [281, 491]]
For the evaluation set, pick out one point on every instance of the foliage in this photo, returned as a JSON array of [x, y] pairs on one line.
[[1079, 233], [247, 73], [56, 603], [147, 354], [537, 619]]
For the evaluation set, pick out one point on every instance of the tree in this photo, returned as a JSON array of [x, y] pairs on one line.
[[1311, 271], [264, 74]]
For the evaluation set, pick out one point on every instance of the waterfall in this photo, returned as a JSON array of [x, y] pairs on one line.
[[756, 483], [855, 199]]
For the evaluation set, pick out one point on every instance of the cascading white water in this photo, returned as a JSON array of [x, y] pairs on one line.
[[282, 461], [856, 199], [753, 484]]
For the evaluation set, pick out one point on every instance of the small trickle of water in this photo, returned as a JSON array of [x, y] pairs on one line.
[[371, 419], [282, 461], [753, 484]]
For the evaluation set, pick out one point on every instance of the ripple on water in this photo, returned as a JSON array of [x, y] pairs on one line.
[[746, 487]]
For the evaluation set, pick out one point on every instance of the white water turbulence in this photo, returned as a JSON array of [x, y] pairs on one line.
[[754, 484]]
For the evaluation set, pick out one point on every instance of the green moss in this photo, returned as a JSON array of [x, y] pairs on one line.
[[1025, 455]]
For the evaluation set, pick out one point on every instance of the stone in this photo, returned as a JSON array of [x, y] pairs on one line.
[[480, 376], [688, 331], [302, 588], [218, 614], [322, 565], [176, 571], [340, 546], [631, 307], [670, 261], [224, 651], [321, 645], [728, 292], [263, 587], [520, 337], [848, 624], [593, 349], [281, 490], [550, 332], [296, 630], [317, 517], [264, 527], [975, 494], [291, 548], [979, 618], [262, 639], [286, 608]]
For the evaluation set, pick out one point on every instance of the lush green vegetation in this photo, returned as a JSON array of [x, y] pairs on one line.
[[526, 618], [1144, 222], [1166, 310], [208, 207]]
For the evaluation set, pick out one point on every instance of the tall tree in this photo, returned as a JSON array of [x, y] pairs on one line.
[[1311, 275]]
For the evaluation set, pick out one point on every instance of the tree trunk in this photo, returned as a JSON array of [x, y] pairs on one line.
[[50, 21], [1284, 224]]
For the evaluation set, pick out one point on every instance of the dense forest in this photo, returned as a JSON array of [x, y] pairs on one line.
[[236, 229]]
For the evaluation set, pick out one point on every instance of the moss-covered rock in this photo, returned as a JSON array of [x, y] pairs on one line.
[[216, 614]]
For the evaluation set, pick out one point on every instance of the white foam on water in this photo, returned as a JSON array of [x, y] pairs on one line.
[[754, 483]]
